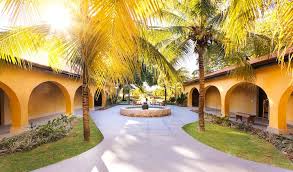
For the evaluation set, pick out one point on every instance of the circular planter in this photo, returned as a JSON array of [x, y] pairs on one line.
[[151, 112]]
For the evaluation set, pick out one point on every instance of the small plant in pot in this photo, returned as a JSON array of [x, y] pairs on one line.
[[145, 106]]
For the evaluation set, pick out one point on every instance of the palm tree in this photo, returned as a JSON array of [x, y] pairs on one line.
[[98, 30], [197, 24], [190, 22]]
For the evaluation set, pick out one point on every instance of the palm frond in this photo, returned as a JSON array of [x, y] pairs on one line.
[[240, 20], [22, 11], [202, 9], [284, 30], [21, 41], [155, 57], [170, 16]]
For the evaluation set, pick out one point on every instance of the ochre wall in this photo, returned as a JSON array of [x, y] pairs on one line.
[[276, 82], [46, 99], [19, 84], [212, 98], [290, 110], [78, 98], [244, 100]]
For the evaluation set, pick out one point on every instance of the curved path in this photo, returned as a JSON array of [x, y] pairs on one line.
[[152, 145]]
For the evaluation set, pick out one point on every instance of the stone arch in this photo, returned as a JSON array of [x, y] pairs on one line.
[[252, 98], [213, 99], [78, 98], [14, 106], [285, 111], [194, 97], [54, 97]]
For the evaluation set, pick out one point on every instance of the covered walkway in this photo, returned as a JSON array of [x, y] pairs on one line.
[[268, 96], [38, 93]]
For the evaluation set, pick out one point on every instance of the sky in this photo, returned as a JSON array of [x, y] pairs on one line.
[[55, 15], [189, 62]]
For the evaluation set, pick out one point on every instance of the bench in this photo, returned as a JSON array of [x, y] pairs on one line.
[[250, 117]]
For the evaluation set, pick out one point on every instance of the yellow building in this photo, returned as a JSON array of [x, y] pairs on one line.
[[269, 96], [38, 92]]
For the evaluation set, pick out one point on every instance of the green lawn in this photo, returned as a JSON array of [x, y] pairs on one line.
[[46, 154], [240, 144]]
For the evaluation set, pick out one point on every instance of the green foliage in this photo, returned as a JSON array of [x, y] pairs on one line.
[[270, 18], [159, 92], [148, 74], [112, 100], [172, 99], [154, 62], [194, 24], [50, 132], [137, 92], [181, 99]]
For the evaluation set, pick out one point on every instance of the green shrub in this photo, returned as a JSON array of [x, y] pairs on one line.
[[112, 100], [50, 132], [181, 99], [172, 99]]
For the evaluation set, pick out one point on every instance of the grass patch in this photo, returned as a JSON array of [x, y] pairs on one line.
[[240, 144], [50, 153]]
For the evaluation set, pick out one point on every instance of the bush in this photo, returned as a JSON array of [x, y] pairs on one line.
[[50, 132], [112, 100], [181, 99], [172, 99]]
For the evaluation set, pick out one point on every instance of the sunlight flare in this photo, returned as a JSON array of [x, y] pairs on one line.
[[57, 16]]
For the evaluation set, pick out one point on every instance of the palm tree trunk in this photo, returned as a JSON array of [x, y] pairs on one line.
[[200, 51], [85, 88], [175, 92], [165, 93], [85, 104], [128, 99]]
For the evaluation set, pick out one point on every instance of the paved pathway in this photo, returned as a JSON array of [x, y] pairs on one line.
[[152, 145]]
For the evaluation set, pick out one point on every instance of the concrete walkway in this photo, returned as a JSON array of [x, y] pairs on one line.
[[152, 145]]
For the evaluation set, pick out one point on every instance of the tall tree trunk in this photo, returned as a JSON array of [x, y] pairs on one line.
[[85, 88], [200, 51], [85, 104], [175, 92], [123, 96], [165, 93], [128, 99]]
